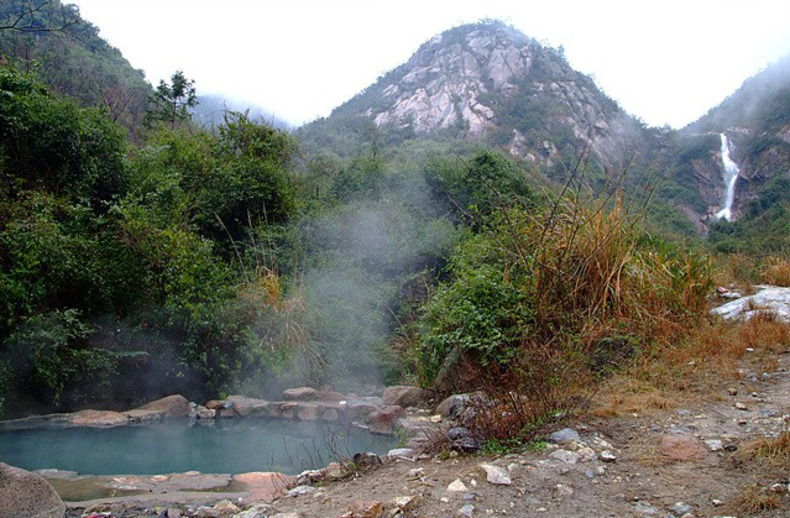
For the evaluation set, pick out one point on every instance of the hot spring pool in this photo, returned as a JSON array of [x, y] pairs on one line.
[[228, 446]]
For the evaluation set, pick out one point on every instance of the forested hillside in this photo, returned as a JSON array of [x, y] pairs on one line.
[[65, 51]]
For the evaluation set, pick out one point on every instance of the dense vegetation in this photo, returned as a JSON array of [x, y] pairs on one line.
[[152, 238]]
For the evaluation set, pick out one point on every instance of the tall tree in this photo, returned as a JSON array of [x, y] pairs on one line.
[[171, 102]]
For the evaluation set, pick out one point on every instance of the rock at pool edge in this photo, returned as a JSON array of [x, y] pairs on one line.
[[27, 494]]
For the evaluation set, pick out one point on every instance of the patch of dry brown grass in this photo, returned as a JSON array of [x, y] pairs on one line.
[[753, 499], [769, 451], [776, 270], [693, 367]]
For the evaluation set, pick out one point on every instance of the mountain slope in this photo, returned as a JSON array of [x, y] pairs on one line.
[[67, 53], [756, 121], [486, 82]]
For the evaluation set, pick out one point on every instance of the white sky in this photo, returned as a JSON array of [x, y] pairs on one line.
[[665, 61]]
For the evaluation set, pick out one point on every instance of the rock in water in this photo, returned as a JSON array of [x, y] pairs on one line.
[[26, 494]]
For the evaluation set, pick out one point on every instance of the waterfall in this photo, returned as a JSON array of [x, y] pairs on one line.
[[730, 175]]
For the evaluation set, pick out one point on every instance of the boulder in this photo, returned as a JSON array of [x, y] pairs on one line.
[[307, 412], [171, 406], [406, 396], [203, 413], [255, 511], [770, 299], [266, 486], [564, 436], [98, 418], [366, 460], [459, 406], [464, 440], [360, 409], [300, 394], [247, 407], [383, 421], [26, 494], [144, 416], [402, 453]]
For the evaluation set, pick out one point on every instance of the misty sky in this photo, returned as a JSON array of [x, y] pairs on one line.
[[667, 62]]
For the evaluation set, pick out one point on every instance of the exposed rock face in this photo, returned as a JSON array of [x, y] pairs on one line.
[[26, 494], [463, 79], [772, 300], [488, 81]]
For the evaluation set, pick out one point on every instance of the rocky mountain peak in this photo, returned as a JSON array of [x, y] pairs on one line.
[[488, 81], [448, 75]]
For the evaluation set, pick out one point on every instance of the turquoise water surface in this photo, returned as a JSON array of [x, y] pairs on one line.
[[228, 446]]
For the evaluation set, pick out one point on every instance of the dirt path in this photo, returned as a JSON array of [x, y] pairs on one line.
[[696, 472]]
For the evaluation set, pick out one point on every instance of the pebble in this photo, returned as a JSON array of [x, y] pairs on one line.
[[404, 503], [563, 490], [681, 508], [564, 435], [568, 457], [714, 445], [645, 508], [607, 456], [456, 486], [496, 475], [300, 490], [741, 406], [466, 511], [401, 453], [416, 472]]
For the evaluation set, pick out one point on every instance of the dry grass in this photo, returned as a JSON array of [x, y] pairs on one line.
[[776, 271], [741, 271], [754, 499], [772, 452], [693, 368]]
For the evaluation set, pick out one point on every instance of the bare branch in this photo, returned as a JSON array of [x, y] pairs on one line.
[[27, 21]]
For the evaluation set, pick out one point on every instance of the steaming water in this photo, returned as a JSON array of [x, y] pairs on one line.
[[227, 447], [731, 171]]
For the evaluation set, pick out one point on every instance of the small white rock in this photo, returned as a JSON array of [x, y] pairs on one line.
[[714, 445], [496, 475], [456, 486], [565, 456], [607, 456]]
